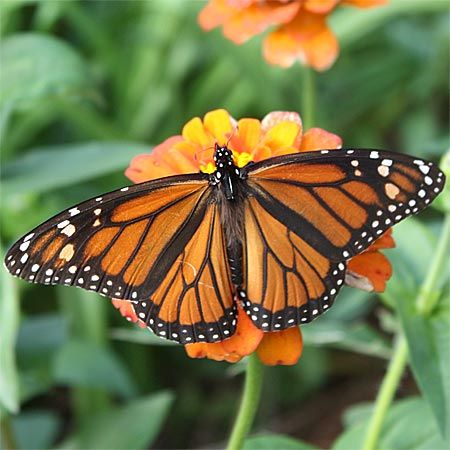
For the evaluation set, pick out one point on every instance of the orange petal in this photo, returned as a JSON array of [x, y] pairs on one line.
[[147, 167], [126, 309], [194, 132], [244, 341], [246, 338], [374, 266], [218, 124], [215, 13], [215, 351], [247, 137], [262, 152], [307, 39], [283, 134], [384, 241], [281, 49], [281, 347], [318, 139], [275, 117], [319, 6], [365, 3], [255, 19]]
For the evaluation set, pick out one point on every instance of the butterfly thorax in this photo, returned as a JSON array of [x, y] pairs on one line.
[[229, 181]]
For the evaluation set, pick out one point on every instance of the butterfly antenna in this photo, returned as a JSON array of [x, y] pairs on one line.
[[200, 152], [236, 128]]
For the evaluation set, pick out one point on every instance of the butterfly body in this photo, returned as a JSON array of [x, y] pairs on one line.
[[275, 234]]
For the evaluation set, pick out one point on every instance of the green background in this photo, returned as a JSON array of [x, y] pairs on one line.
[[84, 87]]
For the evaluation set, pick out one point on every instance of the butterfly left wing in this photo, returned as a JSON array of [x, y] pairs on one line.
[[308, 213]]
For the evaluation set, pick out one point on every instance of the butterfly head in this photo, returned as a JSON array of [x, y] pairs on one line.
[[227, 173]]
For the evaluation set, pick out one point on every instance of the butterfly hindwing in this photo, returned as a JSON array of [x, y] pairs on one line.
[[195, 300], [293, 282]]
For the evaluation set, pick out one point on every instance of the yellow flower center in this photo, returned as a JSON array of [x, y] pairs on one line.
[[207, 168], [240, 159]]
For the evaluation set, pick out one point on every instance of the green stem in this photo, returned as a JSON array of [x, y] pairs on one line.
[[249, 403], [308, 111], [387, 392], [425, 302], [7, 441], [427, 299]]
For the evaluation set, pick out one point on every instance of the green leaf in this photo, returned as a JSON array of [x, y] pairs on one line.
[[139, 336], [53, 167], [275, 441], [36, 67], [90, 365], [359, 338], [41, 334], [352, 25], [429, 348], [133, 426], [443, 201], [9, 323], [408, 269], [40, 337], [36, 429], [408, 425]]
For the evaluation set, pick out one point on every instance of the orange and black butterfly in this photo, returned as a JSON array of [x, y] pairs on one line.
[[275, 235]]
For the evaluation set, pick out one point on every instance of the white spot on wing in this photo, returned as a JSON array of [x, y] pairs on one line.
[[69, 230], [24, 246], [74, 211], [63, 224]]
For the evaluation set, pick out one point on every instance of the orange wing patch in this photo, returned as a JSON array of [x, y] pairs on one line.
[[341, 201], [310, 173], [195, 300], [114, 244], [294, 282]]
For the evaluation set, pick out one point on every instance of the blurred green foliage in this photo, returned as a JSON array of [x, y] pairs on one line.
[[85, 86]]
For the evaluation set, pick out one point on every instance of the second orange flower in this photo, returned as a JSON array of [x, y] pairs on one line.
[[301, 31]]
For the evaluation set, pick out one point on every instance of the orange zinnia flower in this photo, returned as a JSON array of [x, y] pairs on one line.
[[302, 32], [278, 133]]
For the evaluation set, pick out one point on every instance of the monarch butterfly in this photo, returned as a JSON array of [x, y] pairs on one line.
[[275, 234]]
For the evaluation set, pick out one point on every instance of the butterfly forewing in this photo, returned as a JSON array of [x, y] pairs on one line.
[[340, 201], [117, 244]]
